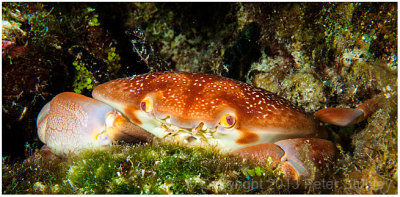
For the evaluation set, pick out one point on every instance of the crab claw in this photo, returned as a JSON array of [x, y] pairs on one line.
[[347, 116], [71, 122], [299, 158]]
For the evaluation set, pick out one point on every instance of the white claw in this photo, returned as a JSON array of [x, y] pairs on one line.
[[71, 122]]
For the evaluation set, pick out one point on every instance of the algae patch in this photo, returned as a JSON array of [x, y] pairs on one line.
[[143, 169]]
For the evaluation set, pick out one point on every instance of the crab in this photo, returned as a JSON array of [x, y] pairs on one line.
[[197, 110]]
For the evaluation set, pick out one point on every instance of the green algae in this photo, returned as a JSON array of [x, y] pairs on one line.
[[113, 61], [33, 178], [92, 19], [142, 169], [82, 78], [161, 169]]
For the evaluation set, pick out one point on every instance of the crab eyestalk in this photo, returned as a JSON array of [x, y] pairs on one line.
[[71, 122]]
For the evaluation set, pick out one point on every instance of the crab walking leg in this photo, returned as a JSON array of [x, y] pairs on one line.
[[298, 157], [347, 116], [71, 122]]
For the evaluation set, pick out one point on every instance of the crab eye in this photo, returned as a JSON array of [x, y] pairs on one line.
[[146, 105], [228, 120]]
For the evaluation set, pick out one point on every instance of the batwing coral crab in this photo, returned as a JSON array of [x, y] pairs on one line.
[[197, 109]]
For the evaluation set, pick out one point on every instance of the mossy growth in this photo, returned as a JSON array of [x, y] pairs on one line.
[[37, 177], [143, 169], [304, 88], [83, 78], [93, 18], [113, 60], [160, 169], [259, 171]]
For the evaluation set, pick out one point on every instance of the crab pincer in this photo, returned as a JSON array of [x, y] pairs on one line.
[[71, 122]]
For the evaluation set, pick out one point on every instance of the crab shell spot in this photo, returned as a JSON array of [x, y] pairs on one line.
[[70, 122]]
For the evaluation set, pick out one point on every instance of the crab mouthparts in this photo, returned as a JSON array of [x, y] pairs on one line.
[[200, 135]]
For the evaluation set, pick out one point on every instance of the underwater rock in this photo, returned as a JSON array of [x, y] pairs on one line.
[[144, 49], [245, 50], [94, 65]]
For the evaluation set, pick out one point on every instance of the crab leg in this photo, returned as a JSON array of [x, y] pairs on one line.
[[298, 157], [347, 116]]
